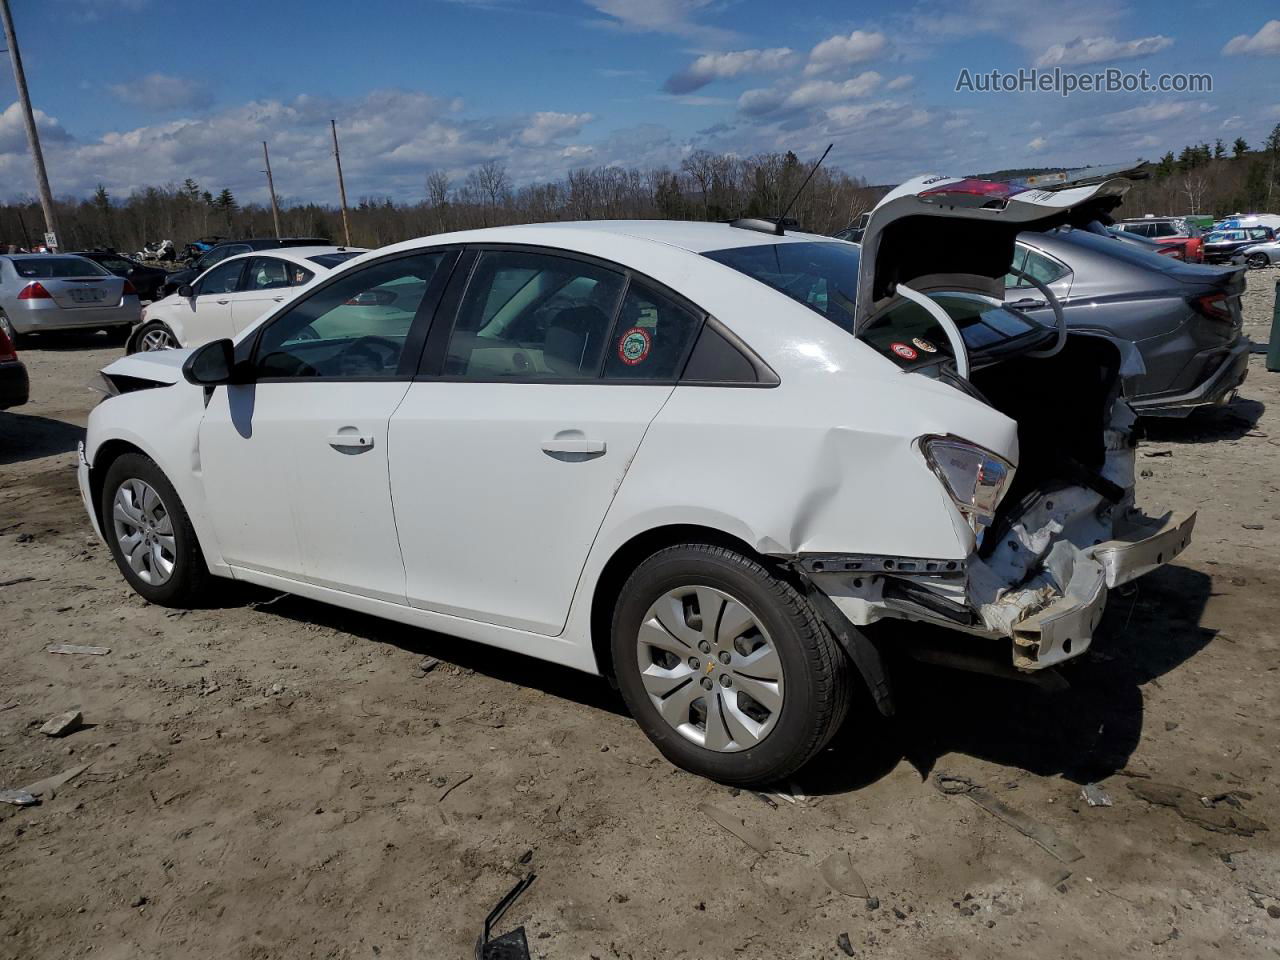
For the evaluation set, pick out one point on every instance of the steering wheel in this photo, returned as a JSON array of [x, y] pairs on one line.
[[370, 348]]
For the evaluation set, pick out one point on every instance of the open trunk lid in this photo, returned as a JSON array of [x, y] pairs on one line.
[[958, 234]]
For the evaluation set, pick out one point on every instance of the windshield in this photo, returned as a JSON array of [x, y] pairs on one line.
[[909, 335], [822, 276], [46, 267], [331, 260]]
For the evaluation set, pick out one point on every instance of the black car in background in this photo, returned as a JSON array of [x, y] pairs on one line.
[[146, 280], [229, 248], [1221, 245], [14, 385]]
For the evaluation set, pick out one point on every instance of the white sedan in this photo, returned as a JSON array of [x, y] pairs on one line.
[[229, 297], [703, 459]]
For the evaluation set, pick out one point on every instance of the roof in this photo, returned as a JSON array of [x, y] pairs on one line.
[[694, 236], [299, 255]]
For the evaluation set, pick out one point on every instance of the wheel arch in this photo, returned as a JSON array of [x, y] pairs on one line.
[[108, 453], [635, 551]]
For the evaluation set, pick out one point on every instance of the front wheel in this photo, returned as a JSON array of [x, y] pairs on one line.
[[725, 666], [154, 336], [150, 534], [1258, 260]]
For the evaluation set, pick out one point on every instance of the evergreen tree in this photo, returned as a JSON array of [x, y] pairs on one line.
[[1166, 164], [1219, 150], [1239, 148]]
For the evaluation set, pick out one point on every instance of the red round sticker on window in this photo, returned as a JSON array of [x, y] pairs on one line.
[[902, 350], [634, 346]]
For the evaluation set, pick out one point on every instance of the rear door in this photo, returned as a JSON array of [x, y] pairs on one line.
[[266, 283], [508, 449]]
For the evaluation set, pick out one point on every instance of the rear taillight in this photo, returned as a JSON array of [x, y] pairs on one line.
[[34, 291], [129, 290], [7, 350], [1214, 306]]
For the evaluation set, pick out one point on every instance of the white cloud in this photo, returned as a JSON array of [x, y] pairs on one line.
[[1234, 122], [1266, 41], [842, 51], [1037, 144], [808, 94], [159, 91], [1084, 50], [13, 133], [721, 66], [900, 83], [547, 126], [659, 16]]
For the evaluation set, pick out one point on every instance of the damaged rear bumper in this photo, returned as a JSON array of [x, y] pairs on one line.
[[1049, 617]]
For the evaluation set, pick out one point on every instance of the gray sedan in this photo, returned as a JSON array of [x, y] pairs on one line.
[[43, 292], [1177, 325]]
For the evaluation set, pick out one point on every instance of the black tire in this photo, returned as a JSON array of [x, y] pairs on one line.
[[1258, 260], [815, 671], [7, 326], [134, 344], [190, 581]]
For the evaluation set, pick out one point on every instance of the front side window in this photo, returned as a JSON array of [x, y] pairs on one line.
[[224, 278], [533, 316], [355, 327]]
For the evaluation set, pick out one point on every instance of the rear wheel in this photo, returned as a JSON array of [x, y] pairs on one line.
[[725, 666], [150, 534], [154, 336], [7, 326], [1258, 260]]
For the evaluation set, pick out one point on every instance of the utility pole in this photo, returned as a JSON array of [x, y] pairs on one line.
[[29, 120], [271, 188], [342, 187]]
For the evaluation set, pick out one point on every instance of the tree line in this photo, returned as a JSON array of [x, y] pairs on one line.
[[706, 186]]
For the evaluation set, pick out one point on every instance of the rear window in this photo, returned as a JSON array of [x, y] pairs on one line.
[[331, 260], [46, 268], [822, 276]]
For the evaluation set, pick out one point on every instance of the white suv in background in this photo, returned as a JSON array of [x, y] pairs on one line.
[[228, 297]]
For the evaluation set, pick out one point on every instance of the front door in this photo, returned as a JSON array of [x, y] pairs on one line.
[[206, 315], [295, 461], [505, 461]]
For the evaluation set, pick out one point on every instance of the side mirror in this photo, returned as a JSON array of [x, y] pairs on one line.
[[186, 291], [211, 364]]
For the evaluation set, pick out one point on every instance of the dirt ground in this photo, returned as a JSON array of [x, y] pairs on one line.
[[270, 779]]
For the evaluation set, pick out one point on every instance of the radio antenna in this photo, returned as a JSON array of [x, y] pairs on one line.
[[782, 216]]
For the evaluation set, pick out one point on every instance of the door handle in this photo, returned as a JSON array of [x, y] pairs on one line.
[[278, 299], [223, 302], [358, 441], [573, 449]]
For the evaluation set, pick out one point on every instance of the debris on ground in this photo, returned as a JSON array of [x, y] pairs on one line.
[[841, 875], [845, 946], [1046, 837], [1158, 453], [15, 581], [454, 786], [9, 705], [513, 945], [47, 788], [1253, 526], [19, 798], [1095, 796], [426, 666], [754, 839], [63, 724], [1218, 818], [76, 648]]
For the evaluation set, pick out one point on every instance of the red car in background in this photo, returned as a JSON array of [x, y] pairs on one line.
[[14, 385], [1178, 238]]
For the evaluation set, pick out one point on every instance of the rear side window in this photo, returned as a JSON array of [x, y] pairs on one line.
[[651, 337], [268, 273], [331, 260], [1043, 268], [533, 316], [56, 268]]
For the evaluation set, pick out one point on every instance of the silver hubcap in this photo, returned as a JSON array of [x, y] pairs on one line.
[[710, 668], [158, 339], [144, 531]]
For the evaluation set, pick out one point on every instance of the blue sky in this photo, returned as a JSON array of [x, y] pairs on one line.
[[138, 92]]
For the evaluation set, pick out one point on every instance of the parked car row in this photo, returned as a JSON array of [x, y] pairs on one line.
[[708, 460]]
